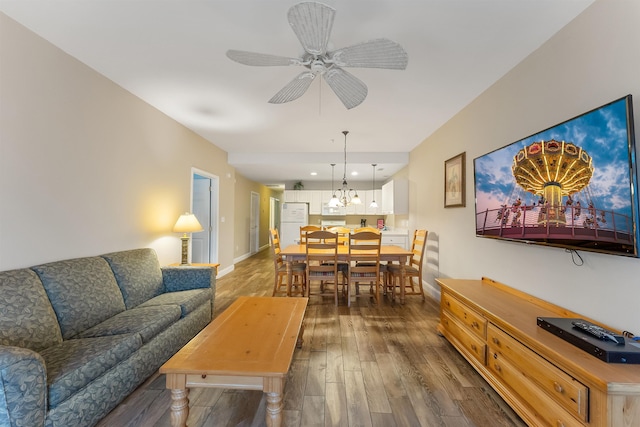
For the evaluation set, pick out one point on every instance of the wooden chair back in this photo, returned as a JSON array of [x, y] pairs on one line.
[[322, 263], [343, 234], [369, 229], [418, 246], [274, 241], [364, 263], [304, 230]]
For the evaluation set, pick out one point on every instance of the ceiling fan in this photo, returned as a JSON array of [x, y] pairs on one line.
[[312, 23]]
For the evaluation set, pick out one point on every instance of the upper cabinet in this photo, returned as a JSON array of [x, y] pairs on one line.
[[395, 197], [317, 198]]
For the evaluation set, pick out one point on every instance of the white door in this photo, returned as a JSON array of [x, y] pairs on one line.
[[205, 207], [254, 223]]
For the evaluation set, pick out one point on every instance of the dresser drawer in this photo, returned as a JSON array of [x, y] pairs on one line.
[[560, 386], [471, 343], [546, 410], [472, 319]]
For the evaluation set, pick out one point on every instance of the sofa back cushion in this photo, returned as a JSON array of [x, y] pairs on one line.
[[138, 274], [27, 318], [82, 291]]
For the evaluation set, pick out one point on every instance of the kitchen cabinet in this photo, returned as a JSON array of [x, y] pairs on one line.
[[317, 198], [297, 196], [395, 238], [395, 197], [315, 202]]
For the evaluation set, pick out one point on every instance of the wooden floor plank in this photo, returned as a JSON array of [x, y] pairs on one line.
[[365, 365], [357, 405], [316, 374], [374, 386], [313, 411], [335, 366], [335, 410]]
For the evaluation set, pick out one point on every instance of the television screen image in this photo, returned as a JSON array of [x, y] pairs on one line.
[[572, 185]]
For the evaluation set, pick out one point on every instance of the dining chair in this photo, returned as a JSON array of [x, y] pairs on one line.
[[371, 229], [307, 229], [323, 276], [343, 234], [412, 270], [364, 265], [298, 273]]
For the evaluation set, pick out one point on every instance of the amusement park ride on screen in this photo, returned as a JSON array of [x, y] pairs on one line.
[[573, 185]]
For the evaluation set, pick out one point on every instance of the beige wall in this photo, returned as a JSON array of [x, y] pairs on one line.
[[592, 61], [243, 190], [86, 167]]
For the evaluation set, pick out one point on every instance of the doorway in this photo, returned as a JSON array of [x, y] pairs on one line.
[[254, 224], [274, 213], [204, 202]]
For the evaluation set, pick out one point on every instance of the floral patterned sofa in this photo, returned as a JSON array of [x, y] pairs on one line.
[[77, 336]]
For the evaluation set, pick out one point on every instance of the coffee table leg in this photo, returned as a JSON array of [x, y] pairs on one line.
[[273, 389], [274, 409], [179, 407], [179, 399], [300, 340]]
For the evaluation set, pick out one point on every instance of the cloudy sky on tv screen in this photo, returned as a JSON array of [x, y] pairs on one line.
[[601, 132]]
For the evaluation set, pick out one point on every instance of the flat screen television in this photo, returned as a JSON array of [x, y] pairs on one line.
[[573, 185]]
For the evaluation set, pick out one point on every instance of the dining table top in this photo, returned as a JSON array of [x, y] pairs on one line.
[[386, 251]]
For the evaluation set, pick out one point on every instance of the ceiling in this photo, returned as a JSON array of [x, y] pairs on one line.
[[171, 54]]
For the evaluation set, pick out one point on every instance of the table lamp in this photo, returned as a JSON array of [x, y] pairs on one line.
[[187, 223]]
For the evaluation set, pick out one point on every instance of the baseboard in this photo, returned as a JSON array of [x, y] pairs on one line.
[[431, 290]]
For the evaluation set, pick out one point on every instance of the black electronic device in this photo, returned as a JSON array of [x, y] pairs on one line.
[[595, 340]]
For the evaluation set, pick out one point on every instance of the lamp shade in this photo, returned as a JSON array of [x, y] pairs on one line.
[[187, 223]]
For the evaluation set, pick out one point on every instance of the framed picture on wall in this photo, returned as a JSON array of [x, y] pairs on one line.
[[454, 179]]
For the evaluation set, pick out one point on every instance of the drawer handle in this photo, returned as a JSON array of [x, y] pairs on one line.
[[473, 347], [448, 303], [558, 387], [559, 423], [495, 355], [496, 341], [475, 324], [498, 368]]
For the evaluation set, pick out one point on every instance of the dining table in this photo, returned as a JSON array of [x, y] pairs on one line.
[[388, 253]]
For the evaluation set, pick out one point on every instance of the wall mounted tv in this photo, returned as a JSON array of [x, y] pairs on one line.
[[573, 185]]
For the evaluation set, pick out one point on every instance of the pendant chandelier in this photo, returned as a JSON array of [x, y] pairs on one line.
[[373, 187], [344, 196]]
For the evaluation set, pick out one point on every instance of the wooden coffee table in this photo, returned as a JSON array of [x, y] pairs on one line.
[[249, 346]]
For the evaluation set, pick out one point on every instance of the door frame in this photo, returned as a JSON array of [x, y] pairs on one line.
[[213, 210], [254, 218]]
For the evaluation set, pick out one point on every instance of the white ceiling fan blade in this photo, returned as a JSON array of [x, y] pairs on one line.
[[346, 86], [260, 59], [294, 89], [378, 53], [312, 23]]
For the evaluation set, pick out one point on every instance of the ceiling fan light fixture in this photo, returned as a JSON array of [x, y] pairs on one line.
[[312, 23]]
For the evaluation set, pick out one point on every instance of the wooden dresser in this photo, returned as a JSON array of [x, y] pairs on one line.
[[546, 380]]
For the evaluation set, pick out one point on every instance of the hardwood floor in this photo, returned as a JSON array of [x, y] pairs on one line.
[[366, 365]]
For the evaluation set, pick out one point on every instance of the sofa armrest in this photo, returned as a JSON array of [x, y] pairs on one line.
[[186, 278], [23, 387]]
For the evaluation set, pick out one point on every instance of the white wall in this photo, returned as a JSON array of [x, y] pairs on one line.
[[86, 167], [592, 61]]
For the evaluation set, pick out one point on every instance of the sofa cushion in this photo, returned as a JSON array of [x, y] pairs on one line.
[[188, 301], [83, 292], [73, 364], [27, 318], [137, 273], [146, 321]]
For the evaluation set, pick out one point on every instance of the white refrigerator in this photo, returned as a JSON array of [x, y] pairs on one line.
[[294, 216]]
